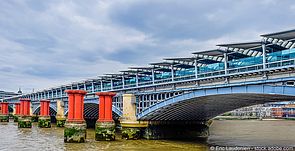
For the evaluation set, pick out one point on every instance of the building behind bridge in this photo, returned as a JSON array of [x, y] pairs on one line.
[[6, 94], [268, 110]]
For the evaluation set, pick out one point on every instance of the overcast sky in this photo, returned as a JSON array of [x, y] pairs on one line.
[[46, 43]]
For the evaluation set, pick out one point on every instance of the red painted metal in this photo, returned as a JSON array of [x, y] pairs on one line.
[[25, 106], [76, 105], [105, 106]]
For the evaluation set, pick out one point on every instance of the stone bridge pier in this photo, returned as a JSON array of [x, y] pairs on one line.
[[105, 125], [75, 126], [177, 129], [44, 117], [132, 128], [4, 116], [60, 117], [25, 119]]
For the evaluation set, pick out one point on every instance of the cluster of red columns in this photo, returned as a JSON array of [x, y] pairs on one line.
[[23, 108], [4, 108], [76, 105], [44, 107]]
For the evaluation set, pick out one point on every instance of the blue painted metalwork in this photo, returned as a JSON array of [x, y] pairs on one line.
[[221, 90]]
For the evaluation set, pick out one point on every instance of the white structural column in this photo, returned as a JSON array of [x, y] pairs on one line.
[[263, 54], [61, 92], [123, 82], [196, 69], [101, 86], [225, 63], [136, 78], [112, 83], [172, 73], [92, 86], [153, 76]]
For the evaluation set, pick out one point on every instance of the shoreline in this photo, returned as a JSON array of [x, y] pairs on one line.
[[249, 118]]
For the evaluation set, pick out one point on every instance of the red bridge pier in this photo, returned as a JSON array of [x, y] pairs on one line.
[[44, 117], [16, 112], [75, 126], [105, 125], [25, 119], [4, 116]]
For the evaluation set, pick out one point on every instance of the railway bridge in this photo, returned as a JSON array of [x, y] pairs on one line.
[[179, 96]]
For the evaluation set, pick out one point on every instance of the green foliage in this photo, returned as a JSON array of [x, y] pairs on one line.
[[105, 133], [15, 118], [131, 133], [60, 123], [74, 135], [24, 123], [4, 118], [44, 123]]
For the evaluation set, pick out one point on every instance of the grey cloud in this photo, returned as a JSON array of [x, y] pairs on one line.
[[47, 43]]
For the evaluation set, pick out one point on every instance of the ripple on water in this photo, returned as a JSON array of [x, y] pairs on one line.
[[223, 133]]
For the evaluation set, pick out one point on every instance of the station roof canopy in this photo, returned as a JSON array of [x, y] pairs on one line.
[[284, 35], [236, 55], [141, 68], [185, 62], [247, 45], [185, 59], [162, 64], [214, 52]]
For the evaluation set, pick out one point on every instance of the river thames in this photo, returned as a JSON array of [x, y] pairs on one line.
[[222, 133]]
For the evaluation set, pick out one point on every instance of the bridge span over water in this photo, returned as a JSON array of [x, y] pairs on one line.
[[195, 88]]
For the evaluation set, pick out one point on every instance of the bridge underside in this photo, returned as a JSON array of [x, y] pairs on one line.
[[52, 112], [91, 111], [207, 107]]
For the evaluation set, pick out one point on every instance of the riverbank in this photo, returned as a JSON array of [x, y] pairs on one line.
[[249, 118]]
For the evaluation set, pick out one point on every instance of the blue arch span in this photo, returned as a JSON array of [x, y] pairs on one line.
[[204, 104], [52, 110]]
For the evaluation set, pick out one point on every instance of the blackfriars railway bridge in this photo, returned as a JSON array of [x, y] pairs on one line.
[[178, 96]]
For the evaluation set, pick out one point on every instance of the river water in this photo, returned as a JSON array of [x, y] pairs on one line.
[[222, 133]]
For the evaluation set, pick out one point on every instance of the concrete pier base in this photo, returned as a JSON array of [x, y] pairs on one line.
[[133, 130], [75, 132], [60, 121], [44, 122], [15, 118], [105, 131], [4, 118], [25, 122], [34, 118], [177, 130]]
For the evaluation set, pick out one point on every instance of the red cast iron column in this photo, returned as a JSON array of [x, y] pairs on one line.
[[44, 109], [17, 108], [25, 106], [105, 106], [4, 106], [75, 105]]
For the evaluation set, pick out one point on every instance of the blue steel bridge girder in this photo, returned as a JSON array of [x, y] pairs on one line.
[[206, 103]]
